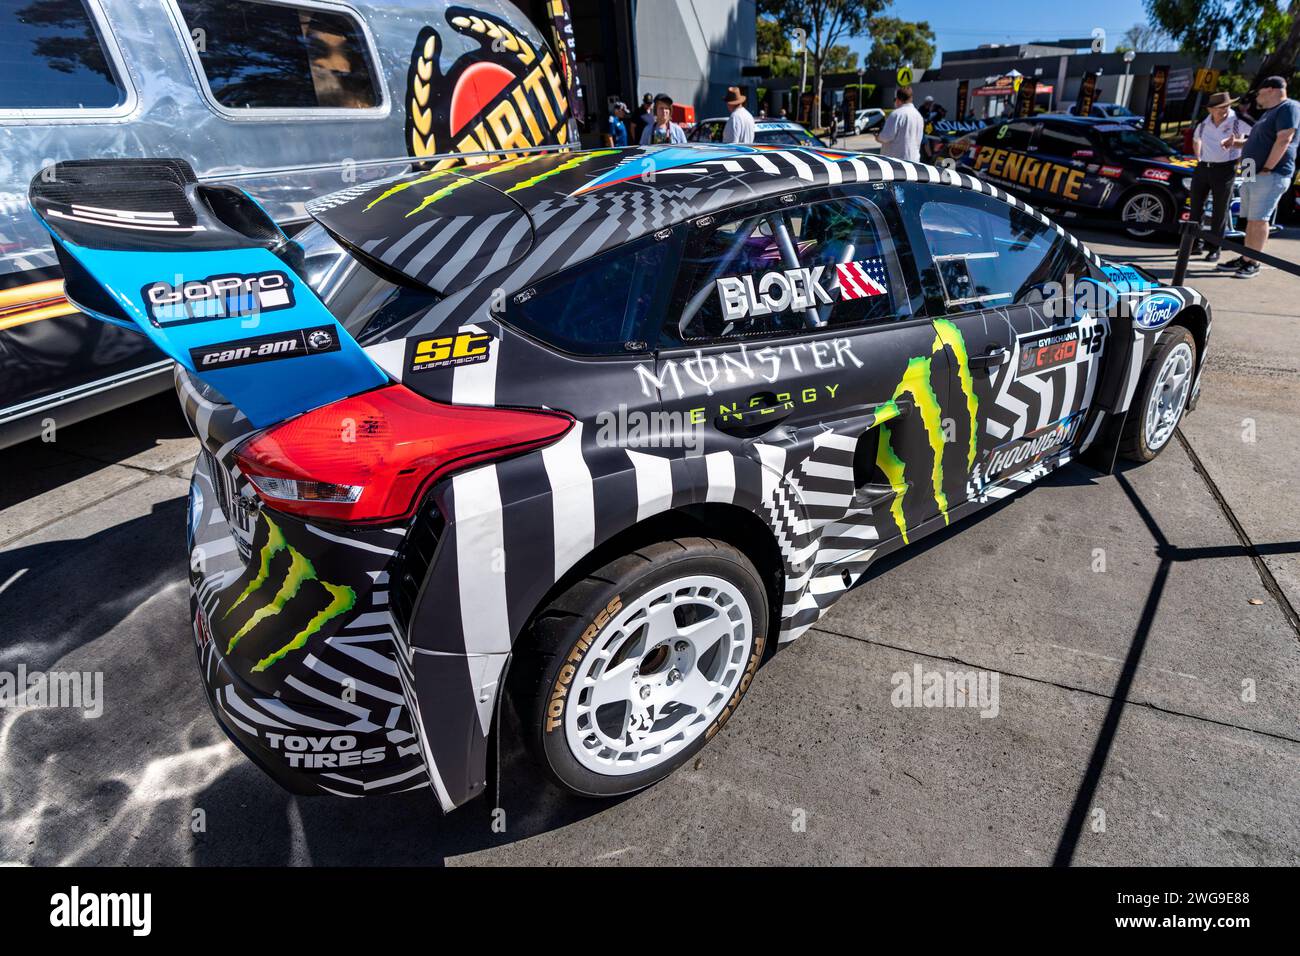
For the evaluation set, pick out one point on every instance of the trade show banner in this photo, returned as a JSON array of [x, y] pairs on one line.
[[1156, 99], [963, 99], [1087, 94], [1025, 97], [850, 108]]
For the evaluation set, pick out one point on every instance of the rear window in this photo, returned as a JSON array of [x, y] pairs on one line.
[[608, 305], [52, 58], [279, 56]]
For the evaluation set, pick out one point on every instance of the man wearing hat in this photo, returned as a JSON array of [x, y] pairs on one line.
[[1216, 143], [740, 125], [1268, 166]]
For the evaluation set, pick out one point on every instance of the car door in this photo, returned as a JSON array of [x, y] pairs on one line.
[[1001, 154], [997, 280], [1071, 160], [797, 344]]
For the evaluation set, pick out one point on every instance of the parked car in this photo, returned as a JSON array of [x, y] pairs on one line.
[[868, 120], [1110, 111], [1079, 166], [769, 132], [299, 98], [588, 437]]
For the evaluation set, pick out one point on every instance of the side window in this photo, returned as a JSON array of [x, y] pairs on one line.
[[1015, 135], [608, 305], [986, 252], [52, 57], [824, 265], [277, 56], [1065, 141]]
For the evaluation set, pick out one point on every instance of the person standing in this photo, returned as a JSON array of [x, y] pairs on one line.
[[1213, 142], [1268, 165], [662, 129], [618, 114], [646, 118], [900, 137], [740, 124]]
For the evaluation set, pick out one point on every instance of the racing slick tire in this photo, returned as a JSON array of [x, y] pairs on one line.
[[640, 663], [1161, 397], [1149, 208]]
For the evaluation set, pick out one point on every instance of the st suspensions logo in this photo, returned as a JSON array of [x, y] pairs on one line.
[[300, 570], [509, 94]]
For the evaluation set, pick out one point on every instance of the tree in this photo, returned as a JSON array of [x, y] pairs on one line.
[[895, 41], [826, 22], [840, 59], [774, 51], [1243, 26], [1146, 38]]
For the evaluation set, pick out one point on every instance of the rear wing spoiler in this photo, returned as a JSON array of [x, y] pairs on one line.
[[205, 273]]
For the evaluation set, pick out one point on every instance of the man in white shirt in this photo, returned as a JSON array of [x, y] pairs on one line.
[[740, 125], [1215, 141], [900, 137]]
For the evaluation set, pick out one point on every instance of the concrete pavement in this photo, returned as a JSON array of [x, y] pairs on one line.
[[1141, 626]]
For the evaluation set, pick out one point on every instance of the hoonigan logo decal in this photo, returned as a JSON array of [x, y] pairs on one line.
[[300, 571], [216, 297], [508, 94], [1032, 448], [915, 385]]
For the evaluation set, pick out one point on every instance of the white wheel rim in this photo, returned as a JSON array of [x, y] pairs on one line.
[[677, 652], [1169, 396], [1142, 209]]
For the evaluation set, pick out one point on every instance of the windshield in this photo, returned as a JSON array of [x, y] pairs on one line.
[[1135, 144]]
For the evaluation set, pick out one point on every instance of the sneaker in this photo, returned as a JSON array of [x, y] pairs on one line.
[[1248, 270], [1212, 255], [1232, 265]]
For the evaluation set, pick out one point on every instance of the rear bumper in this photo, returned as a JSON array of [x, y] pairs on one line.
[[328, 715]]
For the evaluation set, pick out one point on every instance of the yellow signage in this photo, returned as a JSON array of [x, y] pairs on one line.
[[904, 76], [1045, 175]]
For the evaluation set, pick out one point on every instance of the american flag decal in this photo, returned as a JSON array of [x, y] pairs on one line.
[[861, 279]]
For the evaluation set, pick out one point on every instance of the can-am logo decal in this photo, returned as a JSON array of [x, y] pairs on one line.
[[508, 94], [265, 348], [463, 348], [1028, 450], [217, 297], [1155, 311], [299, 572]]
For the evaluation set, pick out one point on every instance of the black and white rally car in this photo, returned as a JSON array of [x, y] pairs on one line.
[[595, 430]]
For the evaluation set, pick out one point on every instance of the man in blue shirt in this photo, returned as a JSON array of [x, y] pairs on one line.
[[617, 124], [1268, 166]]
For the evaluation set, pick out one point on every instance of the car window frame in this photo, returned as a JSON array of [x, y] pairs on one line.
[[673, 236], [937, 304], [121, 76], [262, 114], [897, 264]]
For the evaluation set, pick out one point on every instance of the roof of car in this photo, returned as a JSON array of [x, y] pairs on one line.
[[542, 212], [768, 123]]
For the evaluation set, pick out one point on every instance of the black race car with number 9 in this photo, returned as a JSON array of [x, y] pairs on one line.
[[592, 430], [1078, 166]]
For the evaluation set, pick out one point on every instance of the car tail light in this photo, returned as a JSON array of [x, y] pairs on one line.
[[367, 458]]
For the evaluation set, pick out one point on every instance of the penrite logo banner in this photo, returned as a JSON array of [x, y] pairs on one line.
[[1156, 91], [1087, 94], [963, 99], [510, 93], [566, 48]]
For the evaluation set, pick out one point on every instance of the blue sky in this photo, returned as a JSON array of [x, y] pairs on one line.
[[962, 24]]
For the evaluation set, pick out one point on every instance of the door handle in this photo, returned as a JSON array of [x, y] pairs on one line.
[[993, 358], [755, 419]]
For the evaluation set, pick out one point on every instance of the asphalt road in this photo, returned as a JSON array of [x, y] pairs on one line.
[[1148, 712]]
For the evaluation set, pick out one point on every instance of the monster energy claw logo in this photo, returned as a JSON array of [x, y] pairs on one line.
[[916, 385], [300, 571]]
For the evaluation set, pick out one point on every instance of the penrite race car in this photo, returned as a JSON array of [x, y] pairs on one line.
[[1080, 166], [591, 431]]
